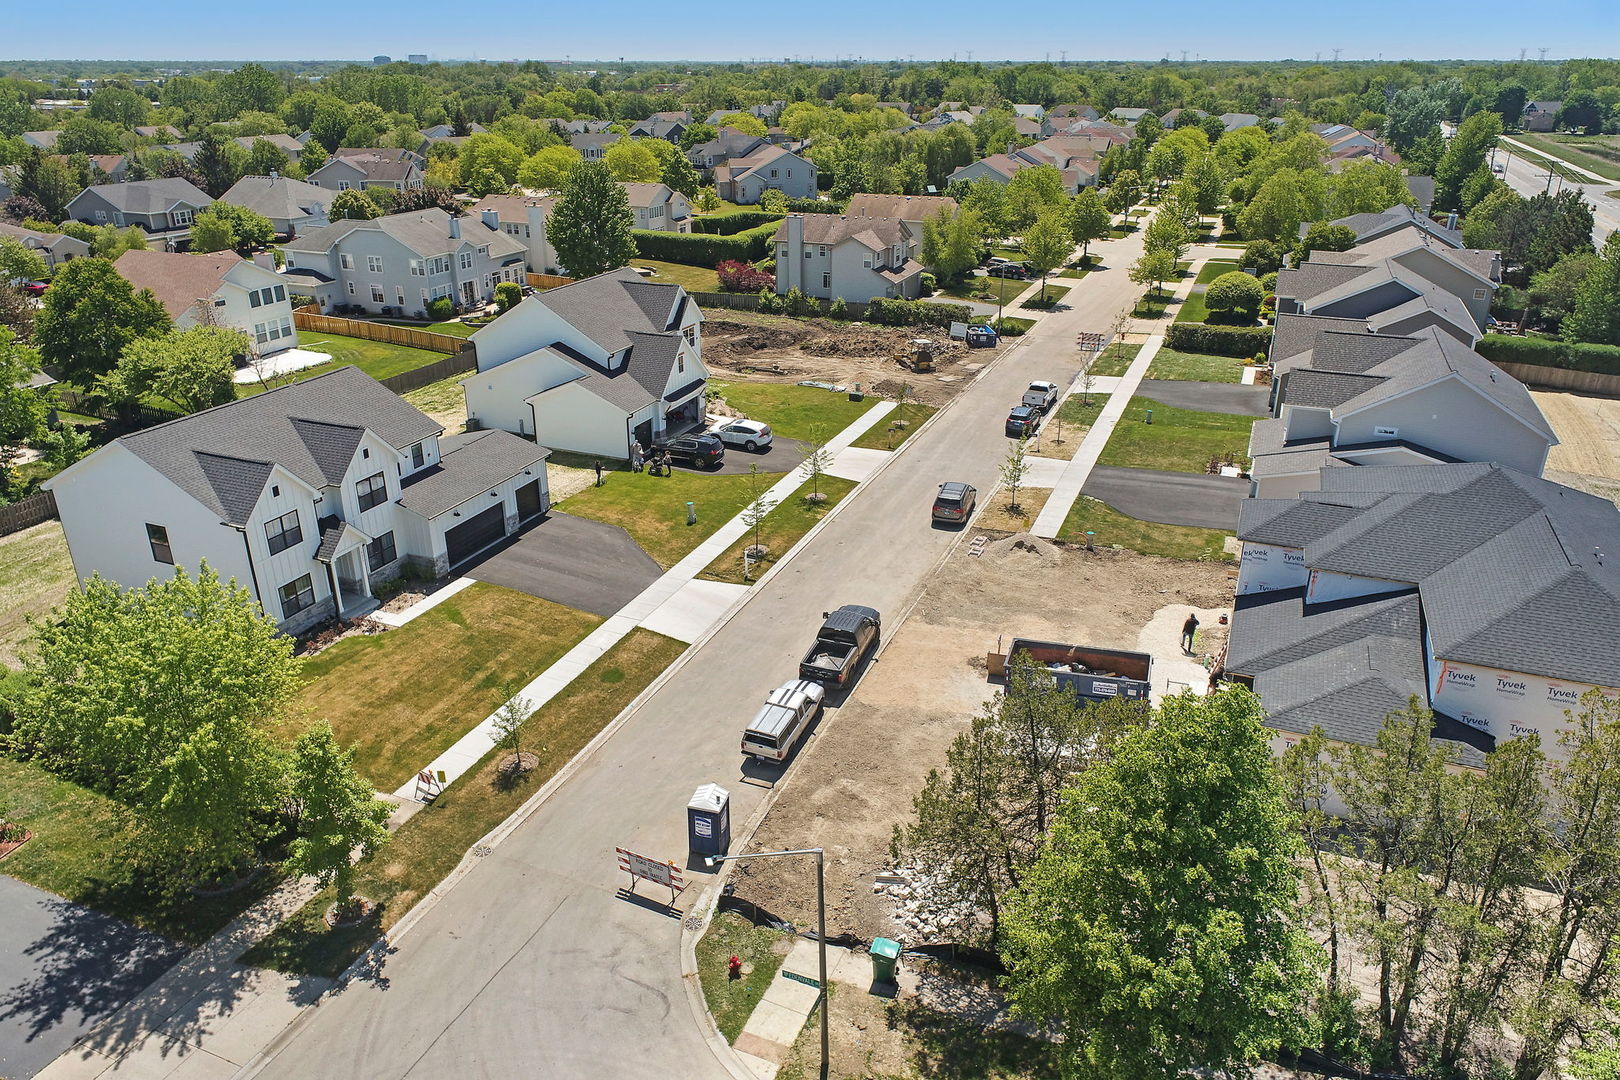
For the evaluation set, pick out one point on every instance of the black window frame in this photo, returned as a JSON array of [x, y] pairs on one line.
[[383, 545], [418, 455], [377, 495], [285, 537], [303, 586], [166, 555]]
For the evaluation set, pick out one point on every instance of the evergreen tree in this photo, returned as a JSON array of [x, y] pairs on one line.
[[590, 225]]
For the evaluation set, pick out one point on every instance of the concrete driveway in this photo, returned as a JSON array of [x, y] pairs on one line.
[[572, 561], [1173, 498], [63, 968], [1218, 397]]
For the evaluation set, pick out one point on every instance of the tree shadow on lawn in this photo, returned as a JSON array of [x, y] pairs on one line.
[[946, 1048]]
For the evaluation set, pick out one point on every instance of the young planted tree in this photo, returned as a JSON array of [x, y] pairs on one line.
[[340, 818], [590, 225], [753, 516], [817, 460], [1013, 472], [1047, 245], [507, 730], [1153, 268], [1159, 926]]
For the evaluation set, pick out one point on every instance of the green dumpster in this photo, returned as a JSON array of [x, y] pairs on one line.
[[885, 956]]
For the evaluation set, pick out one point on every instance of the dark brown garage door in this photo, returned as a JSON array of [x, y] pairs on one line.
[[476, 533], [528, 500]]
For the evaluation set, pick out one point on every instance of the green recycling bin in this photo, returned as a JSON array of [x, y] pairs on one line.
[[885, 957]]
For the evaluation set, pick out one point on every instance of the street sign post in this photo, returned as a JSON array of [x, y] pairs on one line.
[[664, 873]]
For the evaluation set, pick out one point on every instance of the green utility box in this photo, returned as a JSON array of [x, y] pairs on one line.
[[885, 958]]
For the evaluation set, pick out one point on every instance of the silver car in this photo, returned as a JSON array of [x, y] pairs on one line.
[[751, 435]]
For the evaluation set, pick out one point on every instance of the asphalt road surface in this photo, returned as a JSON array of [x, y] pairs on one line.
[[1531, 179], [534, 965]]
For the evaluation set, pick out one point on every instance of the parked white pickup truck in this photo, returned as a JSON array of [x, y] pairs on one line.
[[1041, 396]]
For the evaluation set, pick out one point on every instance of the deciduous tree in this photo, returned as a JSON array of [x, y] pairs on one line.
[[89, 316], [1048, 244], [339, 817], [590, 225], [353, 204], [22, 407], [630, 162], [1595, 316], [951, 242], [194, 368], [1088, 219]]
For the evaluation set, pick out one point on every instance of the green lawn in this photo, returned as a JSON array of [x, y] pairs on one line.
[[403, 697], [376, 358], [1178, 440], [440, 398], [691, 278], [1115, 359], [732, 1001], [1054, 295], [794, 412], [1144, 537], [88, 849], [36, 575], [782, 528], [1192, 309], [884, 435], [1595, 153], [1153, 303], [1015, 321], [1544, 162], [652, 509], [1006, 289], [1213, 269], [1194, 367], [1071, 272], [455, 327], [429, 846]]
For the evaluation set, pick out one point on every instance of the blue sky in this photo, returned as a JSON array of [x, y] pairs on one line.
[[641, 29]]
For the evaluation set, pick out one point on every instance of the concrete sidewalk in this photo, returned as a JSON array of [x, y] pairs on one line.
[[677, 605]]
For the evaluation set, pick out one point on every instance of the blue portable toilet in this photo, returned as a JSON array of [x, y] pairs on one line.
[[708, 820]]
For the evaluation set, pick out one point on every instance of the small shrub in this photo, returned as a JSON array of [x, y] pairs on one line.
[[839, 309], [769, 302], [795, 302], [441, 309], [1236, 295], [507, 295], [1011, 326], [740, 277]]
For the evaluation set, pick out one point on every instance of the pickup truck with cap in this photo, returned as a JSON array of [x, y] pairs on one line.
[[845, 638], [1041, 396]]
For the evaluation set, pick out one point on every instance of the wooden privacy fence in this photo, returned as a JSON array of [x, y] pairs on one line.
[[28, 512], [409, 336], [464, 361], [1557, 378], [547, 281]]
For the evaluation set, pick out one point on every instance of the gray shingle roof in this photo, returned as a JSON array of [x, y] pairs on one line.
[[426, 232], [608, 307], [1365, 225], [223, 456], [1290, 522], [1296, 334], [469, 466], [1324, 389], [279, 198], [150, 196]]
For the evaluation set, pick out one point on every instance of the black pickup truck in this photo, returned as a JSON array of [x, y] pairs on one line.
[[846, 636]]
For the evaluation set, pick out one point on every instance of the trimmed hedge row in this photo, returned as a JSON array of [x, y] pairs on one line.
[[735, 222], [1237, 341], [888, 312], [1544, 352], [698, 249], [817, 206]]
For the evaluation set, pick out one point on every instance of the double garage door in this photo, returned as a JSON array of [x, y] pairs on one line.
[[477, 533]]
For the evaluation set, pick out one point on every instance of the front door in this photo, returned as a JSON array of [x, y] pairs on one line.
[[468, 297]]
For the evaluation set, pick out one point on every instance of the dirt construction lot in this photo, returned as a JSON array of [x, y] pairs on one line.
[[1588, 452], [775, 348], [855, 777]]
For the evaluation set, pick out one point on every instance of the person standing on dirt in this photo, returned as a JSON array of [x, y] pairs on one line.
[[598, 472], [1188, 629]]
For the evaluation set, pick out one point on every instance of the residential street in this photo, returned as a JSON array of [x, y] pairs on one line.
[[535, 964], [1530, 179]]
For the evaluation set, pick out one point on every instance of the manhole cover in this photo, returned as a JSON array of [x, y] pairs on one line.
[[481, 850]]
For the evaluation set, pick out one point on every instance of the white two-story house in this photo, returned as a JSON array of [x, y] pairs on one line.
[[307, 495], [217, 289], [592, 366], [397, 263], [830, 256], [658, 207]]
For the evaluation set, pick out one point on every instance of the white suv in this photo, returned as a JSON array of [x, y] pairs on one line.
[[749, 434]]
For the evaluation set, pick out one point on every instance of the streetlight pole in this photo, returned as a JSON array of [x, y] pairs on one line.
[[821, 922]]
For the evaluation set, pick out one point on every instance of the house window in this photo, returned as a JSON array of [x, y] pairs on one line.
[[253, 299], [373, 491], [381, 551], [484, 251], [281, 293], [260, 333], [399, 295], [343, 185], [377, 295], [826, 281], [346, 260], [374, 264], [418, 456], [158, 537], [181, 217], [466, 260], [1479, 294], [416, 268], [283, 532], [822, 251], [101, 215], [773, 174], [680, 362], [351, 288], [808, 253], [296, 596]]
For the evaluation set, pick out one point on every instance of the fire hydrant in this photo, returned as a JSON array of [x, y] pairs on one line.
[[734, 967]]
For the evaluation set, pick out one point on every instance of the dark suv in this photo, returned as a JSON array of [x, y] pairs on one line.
[[704, 451], [1022, 422]]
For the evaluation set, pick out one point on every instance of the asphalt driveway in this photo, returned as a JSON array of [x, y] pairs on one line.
[[572, 561], [1173, 498], [64, 968], [783, 455], [1218, 397]]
